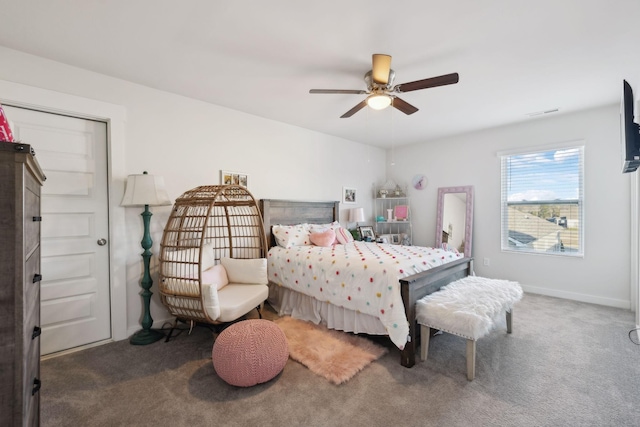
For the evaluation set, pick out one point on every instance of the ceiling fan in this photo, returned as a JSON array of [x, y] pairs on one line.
[[381, 90]]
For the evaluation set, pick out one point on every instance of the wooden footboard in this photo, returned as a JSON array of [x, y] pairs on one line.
[[412, 288]]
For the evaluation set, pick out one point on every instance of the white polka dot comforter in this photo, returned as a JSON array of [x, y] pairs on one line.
[[363, 277]]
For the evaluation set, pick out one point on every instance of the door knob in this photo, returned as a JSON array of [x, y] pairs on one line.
[[102, 242]]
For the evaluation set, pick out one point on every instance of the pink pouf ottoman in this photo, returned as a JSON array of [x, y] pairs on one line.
[[250, 352]]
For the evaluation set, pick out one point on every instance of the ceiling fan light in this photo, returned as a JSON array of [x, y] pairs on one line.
[[379, 102]]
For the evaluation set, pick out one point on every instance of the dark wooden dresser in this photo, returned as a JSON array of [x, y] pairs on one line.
[[20, 180]]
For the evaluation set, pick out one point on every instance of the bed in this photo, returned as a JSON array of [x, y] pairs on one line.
[[335, 307]]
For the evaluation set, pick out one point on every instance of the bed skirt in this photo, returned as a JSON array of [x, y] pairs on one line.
[[291, 303]]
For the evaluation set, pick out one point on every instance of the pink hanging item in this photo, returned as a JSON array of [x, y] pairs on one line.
[[401, 212], [5, 130]]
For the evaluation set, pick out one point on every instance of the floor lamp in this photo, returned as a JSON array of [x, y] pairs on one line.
[[145, 190]]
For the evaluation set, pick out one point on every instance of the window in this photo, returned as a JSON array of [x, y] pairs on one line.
[[542, 201]]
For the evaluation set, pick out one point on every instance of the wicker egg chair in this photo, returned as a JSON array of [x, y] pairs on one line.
[[209, 224]]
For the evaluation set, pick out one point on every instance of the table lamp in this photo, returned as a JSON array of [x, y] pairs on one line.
[[145, 190], [356, 215]]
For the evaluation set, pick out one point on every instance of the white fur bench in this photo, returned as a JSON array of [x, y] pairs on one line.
[[468, 308]]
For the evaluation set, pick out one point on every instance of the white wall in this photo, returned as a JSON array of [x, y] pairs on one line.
[[603, 275], [188, 142]]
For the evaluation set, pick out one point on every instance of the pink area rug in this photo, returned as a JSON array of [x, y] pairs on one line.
[[335, 355]]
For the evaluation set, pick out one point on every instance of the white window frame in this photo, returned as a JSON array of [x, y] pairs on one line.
[[504, 218]]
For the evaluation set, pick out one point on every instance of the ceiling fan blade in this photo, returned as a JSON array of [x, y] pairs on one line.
[[347, 91], [403, 106], [446, 79], [354, 110], [381, 64]]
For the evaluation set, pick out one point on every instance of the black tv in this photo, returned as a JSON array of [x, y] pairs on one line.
[[629, 131]]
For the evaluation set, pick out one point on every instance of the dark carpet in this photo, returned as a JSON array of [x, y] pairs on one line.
[[566, 364]]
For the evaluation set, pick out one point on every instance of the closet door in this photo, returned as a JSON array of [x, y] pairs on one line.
[[75, 306]]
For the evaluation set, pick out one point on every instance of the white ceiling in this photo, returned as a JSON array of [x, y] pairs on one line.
[[261, 57]]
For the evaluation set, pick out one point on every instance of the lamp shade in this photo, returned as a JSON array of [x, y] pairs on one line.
[[145, 189], [356, 215], [378, 101]]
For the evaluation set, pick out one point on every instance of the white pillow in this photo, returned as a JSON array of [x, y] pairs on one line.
[[178, 263], [289, 236], [246, 271], [319, 228]]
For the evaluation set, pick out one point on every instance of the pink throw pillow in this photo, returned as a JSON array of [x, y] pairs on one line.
[[325, 238], [344, 236], [216, 276]]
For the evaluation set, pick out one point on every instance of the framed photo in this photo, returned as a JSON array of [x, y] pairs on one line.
[[236, 178], [349, 195], [367, 233], [395, 239], [384, 238]]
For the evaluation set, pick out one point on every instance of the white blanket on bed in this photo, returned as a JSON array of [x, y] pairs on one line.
[[359, 276]]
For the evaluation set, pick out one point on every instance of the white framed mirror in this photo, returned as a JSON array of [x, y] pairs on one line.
[[454, 222]]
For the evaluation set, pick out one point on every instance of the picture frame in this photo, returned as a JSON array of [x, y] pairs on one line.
[[349, 195], [367, 233], [391, 239], [384, 238], [236, 178]]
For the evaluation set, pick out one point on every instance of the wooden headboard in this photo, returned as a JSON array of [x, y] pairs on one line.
[[290, 212]]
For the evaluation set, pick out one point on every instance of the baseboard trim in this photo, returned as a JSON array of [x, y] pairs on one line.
[[75, 349], [610, 302]]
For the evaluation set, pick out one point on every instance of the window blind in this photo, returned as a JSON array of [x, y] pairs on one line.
[[542, 201]]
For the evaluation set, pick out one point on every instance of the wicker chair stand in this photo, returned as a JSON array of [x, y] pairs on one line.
[[207, 223]]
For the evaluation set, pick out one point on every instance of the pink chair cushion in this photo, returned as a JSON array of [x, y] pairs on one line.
[[250, 352], [216, 275]]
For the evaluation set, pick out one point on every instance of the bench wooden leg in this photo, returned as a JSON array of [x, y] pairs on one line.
[[425, 333], [509, 320], [471, 359]]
